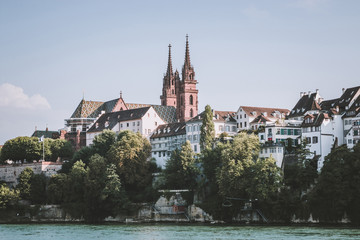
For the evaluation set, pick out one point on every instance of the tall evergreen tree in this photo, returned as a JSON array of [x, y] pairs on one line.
[[207, 134]]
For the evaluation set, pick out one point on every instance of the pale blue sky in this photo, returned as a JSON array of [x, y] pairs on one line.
[[256, 53]]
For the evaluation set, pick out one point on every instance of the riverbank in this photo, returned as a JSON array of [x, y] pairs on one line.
[[145, 214]]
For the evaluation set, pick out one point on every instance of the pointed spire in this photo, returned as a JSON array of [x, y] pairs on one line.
[[169, 70], [187, 54]]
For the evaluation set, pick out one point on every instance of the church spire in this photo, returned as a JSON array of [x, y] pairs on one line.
[[187, 54], [169, 71]]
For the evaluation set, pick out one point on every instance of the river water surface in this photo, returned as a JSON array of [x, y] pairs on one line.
[[169, 231]]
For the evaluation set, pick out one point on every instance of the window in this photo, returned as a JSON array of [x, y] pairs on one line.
[[159, 154], [195, 137], [195, 148], [221, 128], [278, 131], [356, 132], [349, 141], [308, 140], [191, 113], [138, 123], [244, 124], [191, 100], [262, 137], [155, 123], [127, 124], [164, 154], [227, 128], [121, 125], [241, 125], [84, 128], [133, 124], [234, 129], [73, 127], [315, 140], [240, 116], [244, 115]]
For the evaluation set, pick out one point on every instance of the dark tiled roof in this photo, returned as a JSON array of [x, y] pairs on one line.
[[219, 116], [260, 119], [354, 110], [46, 134], [87, 109], [222, 116], [92, 109], [109, 120], [317, 119], [305, 103], [328, 104], [171, 129], [166, 113], [256, 111], [347, 97]]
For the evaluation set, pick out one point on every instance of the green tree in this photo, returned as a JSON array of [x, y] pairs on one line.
[[7, 196], [336, 191], [60, 148], [103, 193], [56, 189], [76, 183], [22, 148], [103, 142], [38, 189], [207, 133], [240, 155], [94, 184], [129, 154], [181, 170], [24, 183]]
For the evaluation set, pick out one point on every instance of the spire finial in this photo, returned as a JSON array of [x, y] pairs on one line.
[[169, 70], [187, 53], [120, 94]]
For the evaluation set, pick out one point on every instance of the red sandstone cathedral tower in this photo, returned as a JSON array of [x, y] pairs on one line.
[[181, 94]]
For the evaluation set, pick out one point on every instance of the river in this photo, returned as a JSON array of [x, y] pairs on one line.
[[171, 231]]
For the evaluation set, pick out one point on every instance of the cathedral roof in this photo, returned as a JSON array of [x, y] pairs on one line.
[[92, 109]]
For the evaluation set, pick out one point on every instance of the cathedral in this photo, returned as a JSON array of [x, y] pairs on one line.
[[179, 103], [181, 93]]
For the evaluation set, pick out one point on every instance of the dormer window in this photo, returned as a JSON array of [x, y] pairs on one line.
[[308, 120]]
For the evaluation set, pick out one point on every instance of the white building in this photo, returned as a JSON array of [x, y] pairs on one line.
[[253, 117], [224, 122], [275, 136], [165, 139], [143, 120]]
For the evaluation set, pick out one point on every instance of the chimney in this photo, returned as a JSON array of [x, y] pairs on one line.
[[35, 128], [343, 90], [317, 91], [301, 94]]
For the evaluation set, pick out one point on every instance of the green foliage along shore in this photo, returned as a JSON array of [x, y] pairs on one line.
[[105, 178]]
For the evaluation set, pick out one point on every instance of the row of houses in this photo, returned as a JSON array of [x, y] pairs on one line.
[[323, 124]]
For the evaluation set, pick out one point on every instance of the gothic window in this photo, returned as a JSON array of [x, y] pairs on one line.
[[191, 113], [173, 91], [191, 100], [172, 82]]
